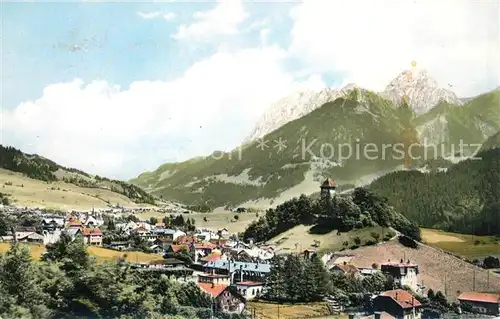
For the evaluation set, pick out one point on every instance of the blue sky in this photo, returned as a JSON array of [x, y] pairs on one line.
[[121, 49], [120, 88]]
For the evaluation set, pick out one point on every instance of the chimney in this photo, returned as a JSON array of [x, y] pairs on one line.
[[213, 284], [402, 260], [378, 315], [345, 262], [396, 295], [408, 261]]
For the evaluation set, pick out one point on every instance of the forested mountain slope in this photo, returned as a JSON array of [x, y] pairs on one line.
[[465, 198]]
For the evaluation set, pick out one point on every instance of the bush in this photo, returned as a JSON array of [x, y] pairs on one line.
[[375, 236], [407, 241]]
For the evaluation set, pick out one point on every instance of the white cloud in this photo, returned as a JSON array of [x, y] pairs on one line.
[[371, 41], [167, 16], [264, 35], [224, 20], [105, 129]]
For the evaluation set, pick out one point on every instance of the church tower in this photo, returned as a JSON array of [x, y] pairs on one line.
[[328, 188]]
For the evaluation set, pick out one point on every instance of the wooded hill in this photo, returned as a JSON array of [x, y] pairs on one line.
[[465, 198], [40, 168], [341, 212]]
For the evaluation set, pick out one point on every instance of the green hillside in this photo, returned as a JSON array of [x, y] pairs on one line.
[[40, 168], [471, 123], [255, 171], [492, 142], [465, 198]]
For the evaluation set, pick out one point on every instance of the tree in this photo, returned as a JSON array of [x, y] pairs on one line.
[[375, 236], [491, 262], [357, 240], [4, 227], [111, 225], [275, 281], [5, 201], [153, 220], [319, 276], [430, 294], [236, 217]]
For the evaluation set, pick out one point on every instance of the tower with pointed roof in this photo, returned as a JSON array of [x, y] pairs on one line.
[[328, 188]]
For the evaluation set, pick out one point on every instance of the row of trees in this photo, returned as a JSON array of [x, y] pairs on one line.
[[67, 283], [464, 199], [361, 209], [296, 279]]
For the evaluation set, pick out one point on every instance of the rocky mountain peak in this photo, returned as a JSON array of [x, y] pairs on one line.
[[421, 90], [293, 107]]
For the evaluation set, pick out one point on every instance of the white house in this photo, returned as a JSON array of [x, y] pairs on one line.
[[249, 289], [404, 274]]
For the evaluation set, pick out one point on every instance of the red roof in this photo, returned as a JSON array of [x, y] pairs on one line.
[[403, 298], [205, 246], [329, 183], [213, 290], [91, 231], [176, 248], [480, 296], [185, 239]]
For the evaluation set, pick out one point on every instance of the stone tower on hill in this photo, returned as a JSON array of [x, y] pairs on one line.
[[328, 188]]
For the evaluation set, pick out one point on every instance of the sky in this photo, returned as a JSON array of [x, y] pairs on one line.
[[119, 88]]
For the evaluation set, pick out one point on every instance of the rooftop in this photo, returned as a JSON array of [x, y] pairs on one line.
[[329, 183], [403, 298], [213, 290], [236, 265], [480, 296]]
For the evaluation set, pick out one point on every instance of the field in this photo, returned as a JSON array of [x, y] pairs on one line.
[[438, 270], [468, 246], [100, 253], [300, 238], [215, 220], [267, 310], [30, 192]]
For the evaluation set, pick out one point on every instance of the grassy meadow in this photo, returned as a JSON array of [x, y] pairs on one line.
[[302, 237], [468, 246], [25, 191], [101, 254], [268, 310]]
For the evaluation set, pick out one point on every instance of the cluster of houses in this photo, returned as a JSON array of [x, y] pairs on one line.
[[53, 226]]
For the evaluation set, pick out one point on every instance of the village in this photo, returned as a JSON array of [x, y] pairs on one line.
[[231, 271]]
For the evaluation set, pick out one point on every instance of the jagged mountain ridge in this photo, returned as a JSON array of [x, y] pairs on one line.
[[293, 107], [422, 91], [265, 176]]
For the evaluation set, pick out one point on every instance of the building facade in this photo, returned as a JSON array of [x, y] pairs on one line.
[[483, 303]]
